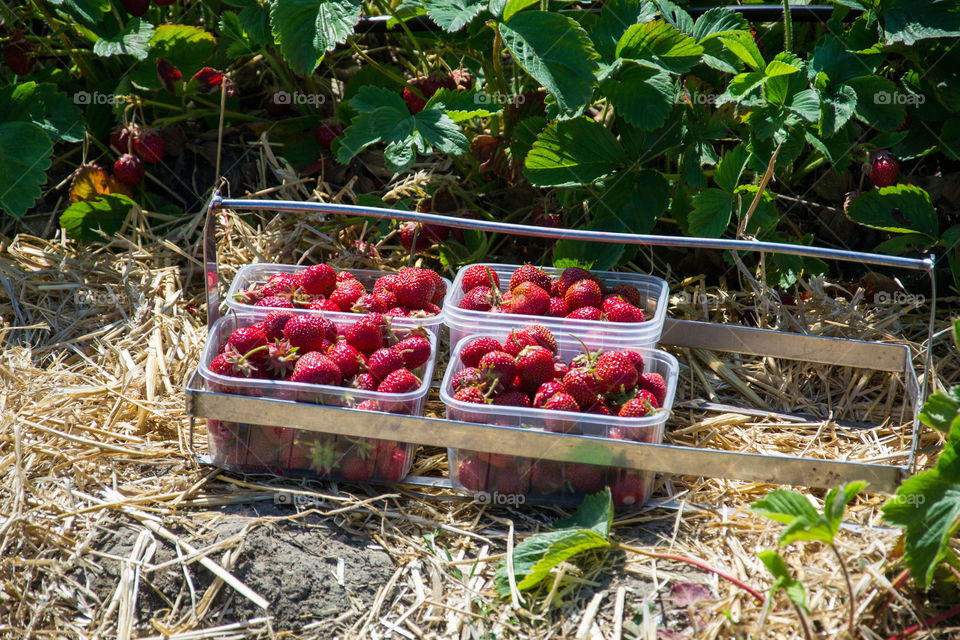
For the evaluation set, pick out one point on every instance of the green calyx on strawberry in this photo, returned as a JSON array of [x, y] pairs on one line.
[[281, 358], [322, 456]]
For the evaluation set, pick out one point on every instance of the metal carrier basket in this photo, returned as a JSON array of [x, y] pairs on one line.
[[202, 402]]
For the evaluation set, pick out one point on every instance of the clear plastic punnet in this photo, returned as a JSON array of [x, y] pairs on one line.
[[510, 479], [654, 291], [288, 451]]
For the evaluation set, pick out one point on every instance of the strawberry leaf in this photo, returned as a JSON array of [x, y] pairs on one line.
[[660, 45], [83, 219], [25, 151], [573, 152], [784, 579], [641, 95], [900, 208], [615, 17], [133, 40], [711, 213], [453, 15], [306, 29], [185, 47], [561, 550]]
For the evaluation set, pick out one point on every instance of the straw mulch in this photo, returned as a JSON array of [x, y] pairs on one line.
[[110, 528]]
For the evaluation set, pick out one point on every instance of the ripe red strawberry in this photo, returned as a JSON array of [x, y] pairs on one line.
[[369, 303], [586, 313], [348, 359], [136, 8], [364, 382], [500, 367], [517, 340], [629, 293], [428, 310], [558, 308], [230, 363], [656, 385], [343, 276], [246, 339], [368, 405], [411, 230], [354, 467], [528, 299], [279, 284], [398, 312], [414, 288], [383, 362], [387, 298], [367, 334], [472, 474], [569, 276], [637, 360], [478, 299], [884, 169], [327, 131], [510, 481], [399, 381], [150, 146], [561, 402], [642, 405], [316, 368], [275, 302], [470, 394], [128, 169], [316, 280], [585, 478], [415, 351], [477, 348], [426, 86], [322, 304], [546, 476], [440, 288], [583, 293], [18, 53], [583, 386], [121, 138], [393, 465], [529, 273], [479, 275], [619, 310], [627, 490], [471, 376], [546, 391], [616, 372], [535, 366], [347, 293], [544, 337], [511, 398], [600, 409], [495, 459], [274, 323]]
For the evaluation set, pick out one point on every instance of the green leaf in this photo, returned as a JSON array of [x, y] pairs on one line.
[[641, 95], [615, 17], [635, 199], [255, 20], [836, 501], [900, 208], [556, 52], [453, 15], [783, 64], [659, 45], [573, 152], [785, 580], [513, 6], [133, 40], [306, 29], [561, 550], [90, 10], [81, 220], [744, 83], [44, 106], [899, 245], [525, 556], [908, 21], [741, 44], [184, 46], [785, 506], [831, 57], [836, 108], [806, 104], [718, 21], [730, 168], [594, 513], [525, 134], [879, 102], [941, 410], [243, 43], [711, 213], [438, 130], [25, 151], [463, 105]]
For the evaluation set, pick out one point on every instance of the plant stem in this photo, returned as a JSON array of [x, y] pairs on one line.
[[376, 65], [78, 60], [804, 620], [846, 576], [949, 613], [697, 563], [787, 27]]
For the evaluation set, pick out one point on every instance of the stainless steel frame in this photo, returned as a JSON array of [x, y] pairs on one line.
[[203, 403]]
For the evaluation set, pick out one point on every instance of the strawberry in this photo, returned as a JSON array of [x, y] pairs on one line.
[[511, 399], [561, 402], [369, 303], [18, 53], [535, 366], [399, 381], [364, 382], [414, 288], [586, 313], [279, 284], [529, 273], [585, 478], [347, 293], [569, 276], [316, 280], [440, 288], [479, 275], [230, 363], [637, 360], [411, 230], [544, 337], [459, 79], [426, 86], [884, 169], [369, 405], [136, 8], [616, 372], [321, 304], [246, 339], [470, 394], [560, 369], [354, 467], [656, 385], [642, 405], [308, 333], [600, 409], [478, 299], [583, 386], [469, 377], [275, 302], [347, 358], [546, 476], [528, 299], [629, 293], [383, 362], [510, 481], [398, 312], [327, 131], [415, 351], [121, 138], [344, 276], [472, 474], [477, 348], [316, 368], [322, 454], [384, 283], [128, 169], [394, 465], [618, 310], [281, 358], [428, 310], [546, 391], [149, 145], [517, 340], [583, 293], [367, 334], [558, 308], [274, 323], [387, 298], [500, 367], [627, 490]]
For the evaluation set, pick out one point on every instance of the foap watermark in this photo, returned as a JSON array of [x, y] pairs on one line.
[[900, 298], [285, 97], [696, 97], [297, 500], [898, 97], [915, 499], [88, 298], [87, 98], [500, 499], [696, 298], [503, 99]]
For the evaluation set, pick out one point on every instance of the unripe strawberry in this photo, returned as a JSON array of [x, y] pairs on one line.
[[128, 169]]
